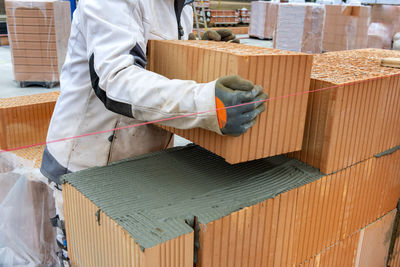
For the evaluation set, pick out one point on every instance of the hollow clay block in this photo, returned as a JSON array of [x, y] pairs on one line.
[[25, 119], [42, 27], [284, 76], [270, 212], [358, 117]]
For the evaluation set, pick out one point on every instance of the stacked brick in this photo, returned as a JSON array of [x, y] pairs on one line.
[[278, 130], [346, 27], [223, 17], [295, 226], [38, 34], [25, 119], [357, 117]]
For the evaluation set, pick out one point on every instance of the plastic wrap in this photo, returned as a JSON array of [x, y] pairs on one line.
[[300, 27], [346, 27], [263, 19], [388, 18], [26, 204], [379, 36], [38, 34]]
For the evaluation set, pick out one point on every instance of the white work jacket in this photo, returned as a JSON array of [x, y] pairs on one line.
[[104, 85]]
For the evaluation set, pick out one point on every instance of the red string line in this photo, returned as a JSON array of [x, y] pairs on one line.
[[195, 114]]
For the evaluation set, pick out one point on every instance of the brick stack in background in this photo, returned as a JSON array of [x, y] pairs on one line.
[[346, 27], [38, 34], [278, 130], [263, 19], [235, 30], [223, 17], [352, 122], [244, 16], [25, 120], [299, 27]]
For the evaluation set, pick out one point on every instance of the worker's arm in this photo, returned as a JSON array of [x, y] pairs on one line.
[[117, 61]]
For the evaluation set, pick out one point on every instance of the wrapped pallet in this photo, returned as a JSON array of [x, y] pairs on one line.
[[263, 19], [385, 22], [346, 27], [38, 34], [300, 27]]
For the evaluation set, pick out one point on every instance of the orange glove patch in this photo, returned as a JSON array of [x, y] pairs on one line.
[[221, 113]]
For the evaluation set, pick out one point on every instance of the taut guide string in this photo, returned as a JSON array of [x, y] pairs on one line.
[[195, 114]]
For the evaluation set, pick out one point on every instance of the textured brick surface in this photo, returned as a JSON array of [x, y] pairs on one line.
[[25, 119], [281, 73], [357, 120], [42, 27], [110, 244], [294, 226]]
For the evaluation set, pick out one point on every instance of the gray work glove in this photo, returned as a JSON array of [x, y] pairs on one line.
[[234, 90], [224, 35]]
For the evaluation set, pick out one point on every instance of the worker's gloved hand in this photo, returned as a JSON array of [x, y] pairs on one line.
[[234, 90], [224, 35]]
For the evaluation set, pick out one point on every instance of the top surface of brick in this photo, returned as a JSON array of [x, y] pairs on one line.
[[353, 65], [236, 49], [28, 100]]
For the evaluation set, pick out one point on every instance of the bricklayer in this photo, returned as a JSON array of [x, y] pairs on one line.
[[281, 73], [355, 121]]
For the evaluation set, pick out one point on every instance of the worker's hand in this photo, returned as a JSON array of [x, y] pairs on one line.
[[224, 35], [234, 90]]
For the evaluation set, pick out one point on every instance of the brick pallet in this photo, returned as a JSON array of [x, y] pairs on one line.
[[360, 118], [278, 130], [346, 27], [299, 27], [38, 34], [263, 19], [25, 119], [223, 17], [271, 212]]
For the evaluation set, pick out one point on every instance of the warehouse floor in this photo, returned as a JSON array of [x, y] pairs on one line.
[[8, 87]]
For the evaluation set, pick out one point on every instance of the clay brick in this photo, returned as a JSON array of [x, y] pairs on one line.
[[367, 246], [32, 154], [111, 245], [352, 122], [281, 73], [38, 29], [25, 119], [294, 226]]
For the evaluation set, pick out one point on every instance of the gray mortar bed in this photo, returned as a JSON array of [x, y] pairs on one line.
[[153, 196]]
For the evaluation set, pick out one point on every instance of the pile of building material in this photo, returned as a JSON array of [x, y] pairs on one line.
[[25, 119], [263, 19], [38, 34], [153, 210], [300, 27], [346, 27], [278, 130]]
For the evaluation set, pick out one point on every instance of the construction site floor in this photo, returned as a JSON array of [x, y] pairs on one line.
[[9, 87]]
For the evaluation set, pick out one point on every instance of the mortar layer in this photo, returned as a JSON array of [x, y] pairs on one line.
[[387, 152], [152, 196]]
